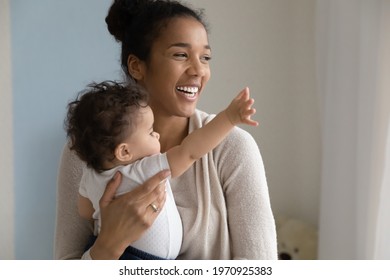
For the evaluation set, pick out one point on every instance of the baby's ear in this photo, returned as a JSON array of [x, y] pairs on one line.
[[123, 152]]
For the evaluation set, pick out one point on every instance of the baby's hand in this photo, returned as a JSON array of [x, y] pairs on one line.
[[240, 109]]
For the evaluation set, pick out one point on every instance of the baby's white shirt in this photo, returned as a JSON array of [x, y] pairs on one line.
[[164, 237]]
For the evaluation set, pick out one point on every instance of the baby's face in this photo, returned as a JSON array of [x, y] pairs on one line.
[[144, 141]]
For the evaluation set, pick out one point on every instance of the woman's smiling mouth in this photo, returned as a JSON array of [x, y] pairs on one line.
[[189, 92]]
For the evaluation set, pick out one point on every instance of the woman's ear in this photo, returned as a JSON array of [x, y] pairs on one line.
[[123, 152], [136, 67]]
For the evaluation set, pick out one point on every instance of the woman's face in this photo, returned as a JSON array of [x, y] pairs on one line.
[[178, 69]]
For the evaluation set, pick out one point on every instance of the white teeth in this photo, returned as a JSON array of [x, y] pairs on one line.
[[191, 90]]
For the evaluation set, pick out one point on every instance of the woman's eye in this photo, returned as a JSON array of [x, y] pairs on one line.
[[180, 55], [206, 58]]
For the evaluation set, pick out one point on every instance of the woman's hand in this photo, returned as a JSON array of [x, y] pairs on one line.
[[127, 217]]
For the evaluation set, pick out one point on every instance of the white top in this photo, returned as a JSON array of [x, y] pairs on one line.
[[164, 237]]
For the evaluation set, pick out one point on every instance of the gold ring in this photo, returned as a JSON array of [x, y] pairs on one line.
[[154, 207]]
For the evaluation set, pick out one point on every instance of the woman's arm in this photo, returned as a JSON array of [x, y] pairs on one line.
[[71, 232], [250, 218]]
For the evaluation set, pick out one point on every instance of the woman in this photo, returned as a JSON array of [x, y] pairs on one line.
[[222, 199]]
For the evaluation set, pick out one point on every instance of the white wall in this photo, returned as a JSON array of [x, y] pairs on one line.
[[269, 46], [59, 46]]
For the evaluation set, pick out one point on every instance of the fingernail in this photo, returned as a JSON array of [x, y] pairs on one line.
[[165, 174], [163, 181]]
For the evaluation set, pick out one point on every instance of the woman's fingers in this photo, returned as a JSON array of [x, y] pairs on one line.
[[156, 199], [157, 194], [156, 204], [152, 191], [151, 184]]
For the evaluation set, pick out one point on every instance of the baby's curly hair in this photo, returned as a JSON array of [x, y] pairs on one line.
[[97, 121]]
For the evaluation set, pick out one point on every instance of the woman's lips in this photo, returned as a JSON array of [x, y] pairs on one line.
[[189, 92]]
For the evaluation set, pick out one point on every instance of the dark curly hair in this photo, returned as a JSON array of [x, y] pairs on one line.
[[98, 120], [138, 23]]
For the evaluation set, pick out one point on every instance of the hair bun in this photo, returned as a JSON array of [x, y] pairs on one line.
[[121, 14]]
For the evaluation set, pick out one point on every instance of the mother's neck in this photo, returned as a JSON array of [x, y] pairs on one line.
[[172, 130]]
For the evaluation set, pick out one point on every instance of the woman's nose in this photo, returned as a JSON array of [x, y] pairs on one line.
[[197, 68], [157, 135]]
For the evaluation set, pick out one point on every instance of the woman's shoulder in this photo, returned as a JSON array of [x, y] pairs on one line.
[[238, 137], [70, 163], [199, 119]]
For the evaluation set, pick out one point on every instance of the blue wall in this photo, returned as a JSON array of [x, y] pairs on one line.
[[58, 47]]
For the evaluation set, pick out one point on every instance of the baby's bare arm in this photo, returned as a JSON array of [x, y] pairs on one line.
[[203, 140], [85, 207]]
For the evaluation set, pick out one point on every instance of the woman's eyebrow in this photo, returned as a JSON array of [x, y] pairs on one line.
[[186, 45]]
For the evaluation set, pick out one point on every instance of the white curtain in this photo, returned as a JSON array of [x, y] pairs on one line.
[[353, 70]]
